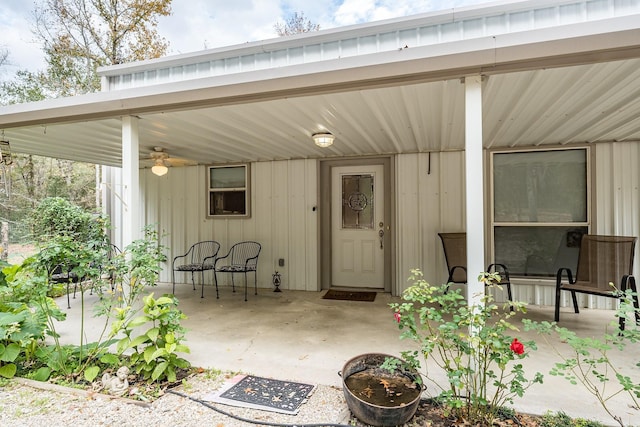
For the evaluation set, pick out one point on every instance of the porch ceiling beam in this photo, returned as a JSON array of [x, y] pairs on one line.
[[616, 40]]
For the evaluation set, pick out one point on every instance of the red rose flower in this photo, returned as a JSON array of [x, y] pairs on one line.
[[517, 347], [397, 316]]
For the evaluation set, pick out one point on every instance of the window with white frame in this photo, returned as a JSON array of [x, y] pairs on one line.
[[228, 191], [540, 209]]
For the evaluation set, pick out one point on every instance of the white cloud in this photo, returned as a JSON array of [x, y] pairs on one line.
[[17, 37], [196, 25]]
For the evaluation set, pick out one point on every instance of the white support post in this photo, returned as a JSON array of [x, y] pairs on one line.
[[131, 224], [474, 187]]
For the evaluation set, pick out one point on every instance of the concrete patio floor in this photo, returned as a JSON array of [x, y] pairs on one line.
[[297, 335]]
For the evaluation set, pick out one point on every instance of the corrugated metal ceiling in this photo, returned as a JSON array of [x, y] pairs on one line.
[[586, 103]]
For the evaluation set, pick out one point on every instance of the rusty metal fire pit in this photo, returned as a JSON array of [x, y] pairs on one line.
[[376, 396]]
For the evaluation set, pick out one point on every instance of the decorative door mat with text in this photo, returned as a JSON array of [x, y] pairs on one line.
[[350, 295], [247, 391]]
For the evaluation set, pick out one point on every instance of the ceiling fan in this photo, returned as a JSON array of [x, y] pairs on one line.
[[161, 161]]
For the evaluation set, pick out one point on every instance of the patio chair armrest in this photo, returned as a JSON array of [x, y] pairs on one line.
[[452, 272], [628, 281], [173, 263], [215, 263], [211, 257], [502, 270], [250, 259], [186, 254], [559, 276]]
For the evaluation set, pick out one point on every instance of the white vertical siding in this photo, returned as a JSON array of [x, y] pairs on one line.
[[283, 195], [429, 199], [429, 203], [617, 208]]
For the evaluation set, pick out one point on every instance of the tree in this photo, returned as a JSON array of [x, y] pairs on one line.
[[296, 24], [26, 87], [4, 55], [80, 35]]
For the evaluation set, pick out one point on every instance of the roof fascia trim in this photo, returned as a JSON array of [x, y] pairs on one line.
[[491, 55]]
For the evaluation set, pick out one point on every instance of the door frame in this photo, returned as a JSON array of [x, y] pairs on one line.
[[324, 240]]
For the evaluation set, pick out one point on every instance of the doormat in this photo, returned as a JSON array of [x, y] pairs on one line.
[[350, 295], [247, 391]]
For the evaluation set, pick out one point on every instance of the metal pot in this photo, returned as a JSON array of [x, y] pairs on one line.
[[370, 413]]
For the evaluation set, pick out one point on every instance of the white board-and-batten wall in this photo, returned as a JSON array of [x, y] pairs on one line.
[[429, 198]]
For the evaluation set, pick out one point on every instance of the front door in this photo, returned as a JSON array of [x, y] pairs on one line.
[[357, 226]]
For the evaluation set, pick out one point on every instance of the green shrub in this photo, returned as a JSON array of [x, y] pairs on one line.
[[470, 344], [55, 216]]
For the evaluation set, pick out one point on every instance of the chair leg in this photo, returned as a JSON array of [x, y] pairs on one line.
[[629, 282], [623, 289], [216, 283], [202, 283], [636, 302], [255, 281], [233, 283], [173, 282], [193, 282], [68, 299], [509, 294], [575, 302], [556, 316], [245, 285], [215, 280]]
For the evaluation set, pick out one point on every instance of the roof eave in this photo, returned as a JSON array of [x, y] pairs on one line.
[[561, 47]]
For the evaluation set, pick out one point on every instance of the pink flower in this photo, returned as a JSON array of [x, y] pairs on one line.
[[517, 347], [397, 316]]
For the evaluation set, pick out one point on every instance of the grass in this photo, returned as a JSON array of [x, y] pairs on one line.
[[560, 419]]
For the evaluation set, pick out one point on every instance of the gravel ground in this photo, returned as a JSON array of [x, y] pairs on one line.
[[24, 405]]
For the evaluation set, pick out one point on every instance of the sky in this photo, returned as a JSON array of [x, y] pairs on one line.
[[204, 24]]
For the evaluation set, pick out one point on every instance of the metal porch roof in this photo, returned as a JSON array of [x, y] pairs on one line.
[[541, 87]]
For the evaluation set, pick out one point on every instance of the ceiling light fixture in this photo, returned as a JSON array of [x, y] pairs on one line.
[[323, 139], [159, 168]]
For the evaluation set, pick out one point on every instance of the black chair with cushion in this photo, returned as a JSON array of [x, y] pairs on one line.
[[242, 258], [200, 257]]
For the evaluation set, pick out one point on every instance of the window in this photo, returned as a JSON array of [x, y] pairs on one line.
[[357, 202], [540, 209], [228, 191]]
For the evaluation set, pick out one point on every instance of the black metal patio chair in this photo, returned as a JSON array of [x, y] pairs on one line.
[[241, 258], [108, 271], [60, 269], [200, 257], [455, 254], [602, 260]]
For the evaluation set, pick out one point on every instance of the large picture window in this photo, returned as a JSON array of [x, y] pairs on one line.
[[228, 191], [540, 209]]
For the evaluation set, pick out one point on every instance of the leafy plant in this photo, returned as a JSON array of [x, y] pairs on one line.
[[26, 316], [55, 217], [588, 363], [469, 343], [155, 351]]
